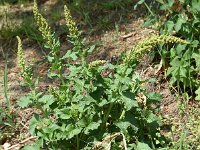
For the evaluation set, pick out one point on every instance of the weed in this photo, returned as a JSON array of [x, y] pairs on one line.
[[181, 62], [93, 101], [182, 20], [6, 115]]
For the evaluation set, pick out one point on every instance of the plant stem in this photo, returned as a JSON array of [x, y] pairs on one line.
[[122, 114], [149, 9], [6, 83], [77, 142], [105, 118]]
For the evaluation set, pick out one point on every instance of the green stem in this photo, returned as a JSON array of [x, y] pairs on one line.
[[77, 142], [149, 9], [105, 118], [6, 83], [38, 106], [122, 114]]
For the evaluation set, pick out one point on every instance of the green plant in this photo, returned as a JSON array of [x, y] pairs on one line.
[[93, 101], [182, 20], [6, 114], [181, 62]]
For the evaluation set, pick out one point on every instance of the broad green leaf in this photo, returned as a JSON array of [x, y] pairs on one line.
[[175, 62], [91, 48], [173, 53], [33, 123], [70, 54], [183, 72], [180, 49], [31, 147], [197, 92], [164, 7], [150, 21], [128, 98], [35, 146], [52, 75], [142, 146], [47, 100], [179, 23], [196, 5], [170, 26], [64, 113], [195, 43], [53, 127], [196, 56], [132, 119], [151, 117], [50, 59], [170, 3], [92, 126], [73, 132], [152, 96], [123, 125], [103, 102], [24, 101]]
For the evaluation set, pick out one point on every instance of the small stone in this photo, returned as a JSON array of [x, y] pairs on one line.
[[6, 146]]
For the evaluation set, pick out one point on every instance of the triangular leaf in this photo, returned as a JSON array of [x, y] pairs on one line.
[[142, 146], [24, 101], [92, 126]]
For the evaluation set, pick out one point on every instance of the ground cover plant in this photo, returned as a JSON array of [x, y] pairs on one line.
[[180, 62], [102, 104], [93, 100]]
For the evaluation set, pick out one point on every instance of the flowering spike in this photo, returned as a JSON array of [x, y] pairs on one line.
[[74, 34], [20, 56], [43, 26], [147, 44], [96, 63]]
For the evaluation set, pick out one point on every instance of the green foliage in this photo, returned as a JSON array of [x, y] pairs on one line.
[[182, 20], [6, 116], [181, 62], [92, 101]]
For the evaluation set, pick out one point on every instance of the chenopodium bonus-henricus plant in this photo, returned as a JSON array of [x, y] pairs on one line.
[[93, 101]]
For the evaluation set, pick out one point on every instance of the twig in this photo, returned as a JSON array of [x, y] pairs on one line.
[[126, 36], [109, 139], [22, 142], [124, 141]]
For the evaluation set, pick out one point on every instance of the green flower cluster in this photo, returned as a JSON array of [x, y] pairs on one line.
[[20, 56], [26, 71], [43, 26], [96, 63], [74, 33], [147, 44]]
